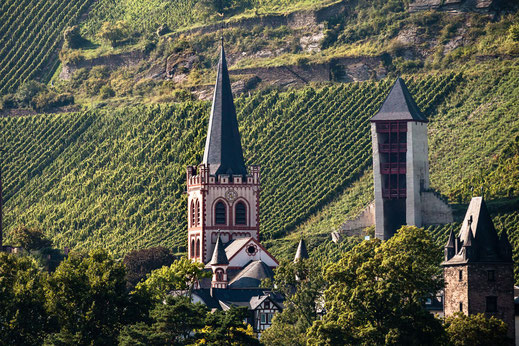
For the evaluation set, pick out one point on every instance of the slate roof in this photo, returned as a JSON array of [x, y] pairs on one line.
[[301, 250], [223, 151], [222, 299], [219, 256], [235, 246], [479, 234], [399, 105], [251, 275]]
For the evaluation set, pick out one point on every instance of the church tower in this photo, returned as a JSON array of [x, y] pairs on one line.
[[223, 195], [400, 162], [478, 269]]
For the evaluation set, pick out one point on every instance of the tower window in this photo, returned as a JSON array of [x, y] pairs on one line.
[[219, 275], [461, 306], [491, 304], [192, 248], [192, 213], [460, 275], [220, 214], [197, 248], [491, 275], [197, 213], [240, 216]]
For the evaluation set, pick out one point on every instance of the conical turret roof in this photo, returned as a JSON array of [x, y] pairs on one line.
[[223, 151], [399, 105], [301, 251], [219, 256], [450, 241]]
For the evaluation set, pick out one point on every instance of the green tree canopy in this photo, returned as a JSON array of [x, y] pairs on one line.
[[183, 274], [476, 330], [30, 238], [376, 293], [302, 284], [87, 299], [23, 320]]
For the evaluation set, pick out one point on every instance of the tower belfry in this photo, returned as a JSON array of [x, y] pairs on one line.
[[401, 166], [223, 196]]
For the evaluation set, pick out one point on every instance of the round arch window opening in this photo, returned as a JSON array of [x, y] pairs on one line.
[[252, 250]]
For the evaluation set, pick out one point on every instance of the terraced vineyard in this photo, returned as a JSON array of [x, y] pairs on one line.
[[117, 178], [30, 34]]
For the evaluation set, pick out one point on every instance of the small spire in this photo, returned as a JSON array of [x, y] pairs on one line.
[[301, 252], [450, 241], [219, 255], [470, 236]]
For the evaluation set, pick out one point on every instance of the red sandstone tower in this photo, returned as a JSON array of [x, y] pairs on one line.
[[223, 196]]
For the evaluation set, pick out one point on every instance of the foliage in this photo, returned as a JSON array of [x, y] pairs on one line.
[[115, 33], [30, 33], [72, 37], [301, 284], [30, 238], [183, 274], [476, 330], [138, 263], [23, 319], [376, 293], [176, 322], [227, 328], [87, 299]]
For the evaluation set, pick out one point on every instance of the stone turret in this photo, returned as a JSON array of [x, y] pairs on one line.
[[219, 264], [479, 274]]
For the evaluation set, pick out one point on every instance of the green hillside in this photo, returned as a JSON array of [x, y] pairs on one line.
[[30, 37], [115, 178]]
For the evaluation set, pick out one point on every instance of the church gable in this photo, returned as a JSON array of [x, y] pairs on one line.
[[242, 251]]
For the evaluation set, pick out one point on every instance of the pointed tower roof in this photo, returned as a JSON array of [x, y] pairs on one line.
[[399, 105], [219, 256], [301, 251], [223, 151], [450, 241]]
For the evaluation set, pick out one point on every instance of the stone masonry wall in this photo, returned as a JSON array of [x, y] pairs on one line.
[[456, 290], [435, 211]]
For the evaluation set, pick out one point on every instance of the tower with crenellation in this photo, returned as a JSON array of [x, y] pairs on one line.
[[223, 195]]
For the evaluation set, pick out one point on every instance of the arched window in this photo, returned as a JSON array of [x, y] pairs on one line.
[[220, 216], [192, 252], [219, 275], [198, 248], [192, 213], [197, 213], [240, 214]]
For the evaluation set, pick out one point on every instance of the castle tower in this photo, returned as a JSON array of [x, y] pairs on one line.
[[400, 162], [219, 264], [223, 196], [478, 269]]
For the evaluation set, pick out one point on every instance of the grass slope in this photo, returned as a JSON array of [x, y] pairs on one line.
[[30, 33], [116, 178]]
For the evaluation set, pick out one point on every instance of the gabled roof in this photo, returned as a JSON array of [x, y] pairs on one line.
[[223, 151], [219, 256], [236, 245], [251, 275], [301, 250], [399, 105], [478, 232]]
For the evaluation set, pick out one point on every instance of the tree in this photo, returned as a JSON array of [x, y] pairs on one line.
[[476, 330], [183, 274], [174, 322], [227, 328], [302, 284], [114, 33], [376, 293], [87, 299], [30, 238], [72, 37], [23, 319], [138, 263]]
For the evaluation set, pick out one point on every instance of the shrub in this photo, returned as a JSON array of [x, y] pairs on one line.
[[72, 37], [27, 91], [114, 34], [106, 92]]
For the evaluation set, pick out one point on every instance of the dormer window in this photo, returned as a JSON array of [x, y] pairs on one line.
[[220, 213]]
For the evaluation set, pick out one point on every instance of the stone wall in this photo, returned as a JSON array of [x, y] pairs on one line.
[[456, 290], [112, 62], [435, 210], [365, 219], [454, 5]]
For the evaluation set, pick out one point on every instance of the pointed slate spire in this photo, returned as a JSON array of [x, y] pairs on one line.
[[219, 255], [450, 246], [301, 252], [223, 151], [399, 105]]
